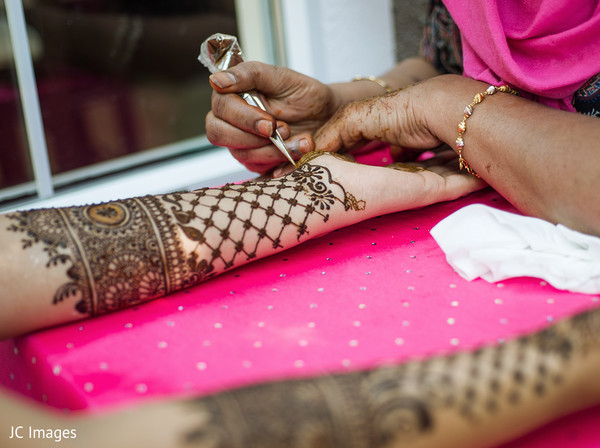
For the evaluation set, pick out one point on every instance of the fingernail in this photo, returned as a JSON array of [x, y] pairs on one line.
[[293, 148], [264, 127], [304, 146], [277, 172], [299, 147], [223, 79]]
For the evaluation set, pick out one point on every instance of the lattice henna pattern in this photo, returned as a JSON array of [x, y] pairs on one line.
[[249, 215], [122, 253]]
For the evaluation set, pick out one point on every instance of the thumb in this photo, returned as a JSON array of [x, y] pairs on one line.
[[252, 75]]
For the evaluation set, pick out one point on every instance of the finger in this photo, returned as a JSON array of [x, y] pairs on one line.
[[452, 183], [234, 110], [260, 166], [443, 157], [252, 75], [348, 127], [221, 133], [283, 169], [300, 144], [297, 147], [265, 158], [458, 184]]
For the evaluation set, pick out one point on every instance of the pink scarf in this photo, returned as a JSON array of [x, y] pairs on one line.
[[547, 48]]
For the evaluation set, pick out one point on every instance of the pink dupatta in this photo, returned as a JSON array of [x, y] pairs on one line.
[[547, 48]]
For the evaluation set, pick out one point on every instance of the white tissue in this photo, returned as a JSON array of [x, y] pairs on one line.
[[481, 241]]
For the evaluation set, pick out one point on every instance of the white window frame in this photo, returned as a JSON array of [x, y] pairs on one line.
[[336, 40], [327, 39], [178, 166]]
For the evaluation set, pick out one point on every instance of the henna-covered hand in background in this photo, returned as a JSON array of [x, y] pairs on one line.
[[479, 398]]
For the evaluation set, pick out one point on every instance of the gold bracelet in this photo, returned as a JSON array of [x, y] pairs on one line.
[[381, 82], [462, 126]]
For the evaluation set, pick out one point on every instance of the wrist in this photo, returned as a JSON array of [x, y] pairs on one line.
[[446, 97]]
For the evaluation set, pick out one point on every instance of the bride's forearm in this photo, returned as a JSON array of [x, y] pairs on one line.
[[60, 265]]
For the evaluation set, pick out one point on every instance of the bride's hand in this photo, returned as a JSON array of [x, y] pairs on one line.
[[402, 186]]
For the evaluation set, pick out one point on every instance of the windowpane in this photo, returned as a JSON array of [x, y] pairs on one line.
[[15, 166], [117, 77]]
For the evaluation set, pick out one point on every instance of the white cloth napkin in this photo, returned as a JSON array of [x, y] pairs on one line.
[[481, 241]]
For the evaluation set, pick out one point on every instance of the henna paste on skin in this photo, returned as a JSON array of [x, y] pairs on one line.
[[405, 167], [116, 254], [391, 406], [126, 252]]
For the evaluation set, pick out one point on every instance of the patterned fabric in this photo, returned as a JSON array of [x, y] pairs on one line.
[[587, 99], [441, 46]]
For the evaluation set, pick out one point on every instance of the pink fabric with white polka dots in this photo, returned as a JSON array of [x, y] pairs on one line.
[[377, 292]]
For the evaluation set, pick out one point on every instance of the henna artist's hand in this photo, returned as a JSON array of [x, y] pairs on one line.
[[399, 119], [297, 105]]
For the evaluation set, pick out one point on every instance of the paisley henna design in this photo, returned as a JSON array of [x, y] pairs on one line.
[[122, 253], [389, 406]]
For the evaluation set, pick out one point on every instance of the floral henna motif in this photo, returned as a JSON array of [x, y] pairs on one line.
[[117, 254], [318, 185], [122, 253]]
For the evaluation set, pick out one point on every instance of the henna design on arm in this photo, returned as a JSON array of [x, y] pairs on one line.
[[122, 253], [403, 404], [232, 224], [116, 254]]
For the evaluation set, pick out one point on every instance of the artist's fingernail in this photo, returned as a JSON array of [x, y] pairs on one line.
[[294, 149], [277, 172], [264, 127], [223, 79], [304, 146]]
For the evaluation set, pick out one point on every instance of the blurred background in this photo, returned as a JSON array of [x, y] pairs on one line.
[[91, 90]]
